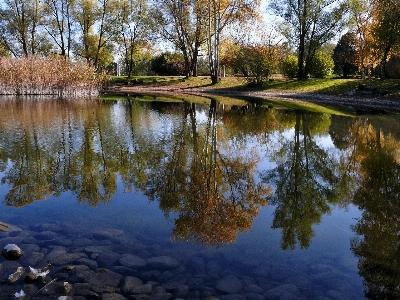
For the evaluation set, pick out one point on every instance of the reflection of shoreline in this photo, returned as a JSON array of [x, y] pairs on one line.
[[364, 104]]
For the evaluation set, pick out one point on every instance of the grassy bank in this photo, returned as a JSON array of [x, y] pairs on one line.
[[330, 86]]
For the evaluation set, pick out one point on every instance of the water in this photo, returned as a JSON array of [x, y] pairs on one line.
[[232, 202]]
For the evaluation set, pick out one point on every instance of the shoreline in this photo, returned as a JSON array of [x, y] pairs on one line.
[[362, 103]]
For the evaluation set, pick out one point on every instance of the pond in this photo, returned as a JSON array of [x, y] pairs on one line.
[[133, 199]]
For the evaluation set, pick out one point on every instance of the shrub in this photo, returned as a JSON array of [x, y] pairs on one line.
[[322, 65], [257, 62], [290, 66]]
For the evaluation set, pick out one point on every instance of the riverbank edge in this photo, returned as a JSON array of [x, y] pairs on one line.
[[361, 103]]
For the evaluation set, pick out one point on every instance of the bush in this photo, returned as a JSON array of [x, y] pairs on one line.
[[290, 66], [322, 65], [256, 62], [168, 64]]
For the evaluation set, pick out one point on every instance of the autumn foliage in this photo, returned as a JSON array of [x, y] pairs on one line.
[[36, 75], [255, 62]]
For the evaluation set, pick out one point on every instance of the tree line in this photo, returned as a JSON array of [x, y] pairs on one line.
[[210, 32]]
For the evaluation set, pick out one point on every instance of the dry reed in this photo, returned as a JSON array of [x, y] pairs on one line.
[[36, 75]]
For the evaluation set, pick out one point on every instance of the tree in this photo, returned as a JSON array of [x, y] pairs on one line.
[[96, 23], [290, 66], [58, 23], [169, 64], [361, 19], [220, 14], [182, 23], [21, 22], [386, 29], [310, 24], [345, 55], [135, 23]]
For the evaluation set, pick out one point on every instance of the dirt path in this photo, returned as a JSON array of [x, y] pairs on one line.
[[363, 103]]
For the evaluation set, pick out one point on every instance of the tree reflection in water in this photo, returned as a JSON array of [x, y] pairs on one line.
[[207, 182], [307, 179], [378, 195]]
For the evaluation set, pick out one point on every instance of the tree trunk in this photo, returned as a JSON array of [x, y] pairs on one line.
[[383, 62]]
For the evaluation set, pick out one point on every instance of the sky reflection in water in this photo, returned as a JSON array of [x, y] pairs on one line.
[[271, 189]]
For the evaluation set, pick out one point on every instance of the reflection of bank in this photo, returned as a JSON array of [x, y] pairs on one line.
[[307, 179], [378, 242], [207, 183]]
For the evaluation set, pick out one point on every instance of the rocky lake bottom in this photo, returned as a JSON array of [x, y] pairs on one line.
[[107, 264]]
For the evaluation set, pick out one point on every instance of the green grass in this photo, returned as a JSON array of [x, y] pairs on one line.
[[334, 86], [331, 86]]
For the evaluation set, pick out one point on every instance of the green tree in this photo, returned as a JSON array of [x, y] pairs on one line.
[[290, 66], [182, 23], [21, 27], [169, 64], [59, 24], [345, 55], [135, 24], [310, 24], [96, 22]]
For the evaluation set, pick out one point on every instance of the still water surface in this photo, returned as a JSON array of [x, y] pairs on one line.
[[196, 201]]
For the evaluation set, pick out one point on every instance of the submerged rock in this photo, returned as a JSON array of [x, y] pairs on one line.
[[162, 262], [12, 252], [229, 284], [16, 275], [133, 261]]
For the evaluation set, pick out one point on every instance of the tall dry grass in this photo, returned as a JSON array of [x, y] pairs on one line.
[[36, 75]]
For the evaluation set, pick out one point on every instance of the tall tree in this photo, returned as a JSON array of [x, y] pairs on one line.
[[221, 13], [361, 19], [135, 25], [20, 27], [59, 23], [345, 55], [386, 29], [181, 22], [310, 24], [96, 22]]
